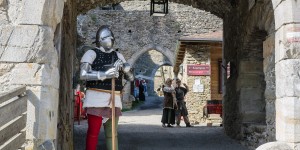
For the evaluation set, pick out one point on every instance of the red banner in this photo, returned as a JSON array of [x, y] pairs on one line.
[[198, 70]]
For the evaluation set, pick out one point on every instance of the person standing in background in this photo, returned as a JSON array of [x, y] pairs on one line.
[[169, 104], [182, 110], [141, 91]]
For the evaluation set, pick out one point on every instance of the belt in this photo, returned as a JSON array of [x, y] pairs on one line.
[[105, 91]]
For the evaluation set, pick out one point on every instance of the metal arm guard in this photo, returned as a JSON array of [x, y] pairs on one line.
[[128, 72], [128, 76], [126, 67], [86, 73]]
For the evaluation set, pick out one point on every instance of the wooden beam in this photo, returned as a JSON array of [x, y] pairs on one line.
[[17, 106], [13, 93], [12, 128], [15, 142]]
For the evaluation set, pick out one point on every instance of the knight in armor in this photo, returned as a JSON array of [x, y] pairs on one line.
[[98, 66]]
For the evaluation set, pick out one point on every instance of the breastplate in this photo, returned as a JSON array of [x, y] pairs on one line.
[[103, 62]]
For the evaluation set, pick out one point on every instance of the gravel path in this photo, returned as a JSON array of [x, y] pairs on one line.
[[141, 129]]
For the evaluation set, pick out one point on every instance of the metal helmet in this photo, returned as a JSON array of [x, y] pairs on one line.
[[105, 38]]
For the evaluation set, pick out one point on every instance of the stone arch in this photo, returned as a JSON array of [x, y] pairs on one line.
[[214, 6], [247, 57], [146, 65], [257, 51], [251, 84], [158, 66], [166, 52], [154, 71]]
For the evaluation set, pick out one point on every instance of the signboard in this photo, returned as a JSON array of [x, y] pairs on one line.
[[198, 88], [198, 70]]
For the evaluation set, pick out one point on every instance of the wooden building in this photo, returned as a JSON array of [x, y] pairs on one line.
[[199, 64]]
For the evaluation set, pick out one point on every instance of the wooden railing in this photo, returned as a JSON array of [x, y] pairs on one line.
[[13, 113]]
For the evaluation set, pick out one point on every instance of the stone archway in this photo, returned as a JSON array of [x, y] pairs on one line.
[[165, 52], [251, 60], [22, 26], [149, 62]]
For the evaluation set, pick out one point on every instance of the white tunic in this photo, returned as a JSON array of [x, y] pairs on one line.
[[96, 98]]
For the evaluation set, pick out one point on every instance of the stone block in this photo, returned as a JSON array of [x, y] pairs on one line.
[[3, 3], [252, 105], [269, 46], [5, 68], [13, 11], [45, 12], [253, 117], [288, 119], [287, 42], [35, 74], [287, 12], [6, 32], [30, 44], [269, 64], [254, 67], [270, 92], [42, 112], [15, 54], [274, 146], [288, 78], [275, 3], [249, 80], [270, 112], [3, 18]]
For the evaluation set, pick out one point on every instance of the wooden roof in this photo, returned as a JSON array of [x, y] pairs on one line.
[[213, 39]]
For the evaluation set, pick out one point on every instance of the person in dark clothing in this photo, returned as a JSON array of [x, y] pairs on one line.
[[141, 91], [169, 104], [182, 110]]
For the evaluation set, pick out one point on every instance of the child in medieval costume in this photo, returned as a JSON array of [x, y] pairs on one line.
[[98, 66]]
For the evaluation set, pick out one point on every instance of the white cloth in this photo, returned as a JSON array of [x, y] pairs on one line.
[[168, 89], [95, 98], [100, 99]]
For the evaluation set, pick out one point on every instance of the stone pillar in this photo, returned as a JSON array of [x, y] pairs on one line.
[[251, 87], [27, 45], [127, 101], [287, 71]]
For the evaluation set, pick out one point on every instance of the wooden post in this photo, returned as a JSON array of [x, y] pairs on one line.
[[113, 114]]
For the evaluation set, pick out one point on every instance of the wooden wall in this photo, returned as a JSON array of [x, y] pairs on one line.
[[215, 56]]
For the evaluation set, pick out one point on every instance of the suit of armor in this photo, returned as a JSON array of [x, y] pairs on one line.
[[98, 66]]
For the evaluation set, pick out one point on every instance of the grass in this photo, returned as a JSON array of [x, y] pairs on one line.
[[135, 104]]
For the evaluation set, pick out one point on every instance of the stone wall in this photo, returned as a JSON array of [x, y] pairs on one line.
[[66, 33], [136, 33], [29, 55]]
